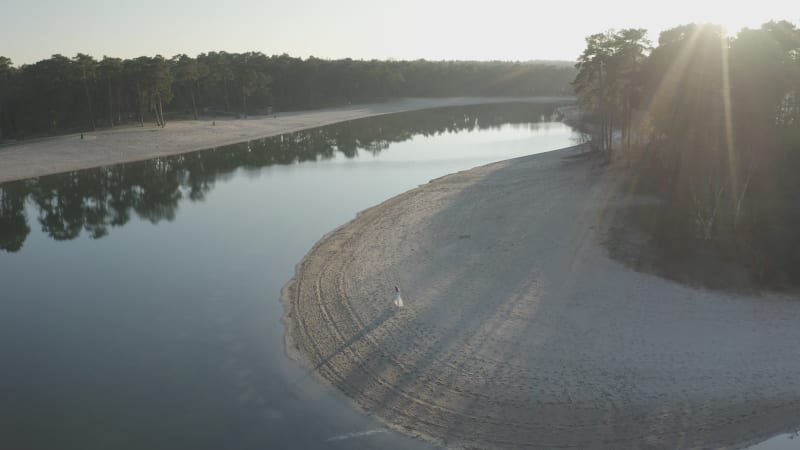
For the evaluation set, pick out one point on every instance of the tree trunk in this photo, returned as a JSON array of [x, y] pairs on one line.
[[629, 126], [89, 103], [225, 90], [610, 137], [310, 96], [159, 122], [741, 198], [140, 104], [3, 119], [194, 104], [110, 104], [161, 113], [119, 105]]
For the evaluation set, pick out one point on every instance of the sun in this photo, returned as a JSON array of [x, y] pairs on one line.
[[730, 16]]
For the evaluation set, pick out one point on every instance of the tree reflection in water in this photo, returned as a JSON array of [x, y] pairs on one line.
[[95, 200]]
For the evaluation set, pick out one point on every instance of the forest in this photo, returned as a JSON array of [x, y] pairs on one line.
[[63, 94], [709, 125]]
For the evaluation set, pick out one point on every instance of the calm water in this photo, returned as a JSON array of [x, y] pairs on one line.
[[140, 303]]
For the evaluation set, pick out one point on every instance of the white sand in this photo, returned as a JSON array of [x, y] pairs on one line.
[[519, 331], [66, 153]]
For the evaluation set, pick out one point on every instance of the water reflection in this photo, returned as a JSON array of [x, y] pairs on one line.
[[97, 200]]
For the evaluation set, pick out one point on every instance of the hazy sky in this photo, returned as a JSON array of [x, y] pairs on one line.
[[31, 30]]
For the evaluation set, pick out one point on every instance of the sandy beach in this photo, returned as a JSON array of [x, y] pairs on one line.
[[518, 330], [114, 146]]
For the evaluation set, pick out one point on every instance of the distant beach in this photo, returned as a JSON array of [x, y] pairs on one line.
[[114, 146], [518, 330]]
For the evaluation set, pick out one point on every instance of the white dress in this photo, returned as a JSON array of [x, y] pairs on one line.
[[398, 300]]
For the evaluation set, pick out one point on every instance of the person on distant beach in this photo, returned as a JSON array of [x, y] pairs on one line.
[[81, 136], [398, 300]]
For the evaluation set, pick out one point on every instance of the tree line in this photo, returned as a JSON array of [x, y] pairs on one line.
[[709, 124], [62, 94]]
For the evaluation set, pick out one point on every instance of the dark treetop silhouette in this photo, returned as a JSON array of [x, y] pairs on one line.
[[62, 94], [711, 128]]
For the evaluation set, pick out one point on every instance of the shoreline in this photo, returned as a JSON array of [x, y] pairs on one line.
[[122, 145], [520, 331]]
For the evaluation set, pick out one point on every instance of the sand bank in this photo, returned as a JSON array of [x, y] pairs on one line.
[[70, 152], [519, 331]]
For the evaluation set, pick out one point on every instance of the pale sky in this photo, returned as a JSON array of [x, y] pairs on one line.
[[31, 30]]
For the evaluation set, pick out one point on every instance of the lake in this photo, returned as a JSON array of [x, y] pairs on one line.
[[140, 303]]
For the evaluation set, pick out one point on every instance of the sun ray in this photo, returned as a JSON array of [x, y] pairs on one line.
[[728, 113], [665, 90]]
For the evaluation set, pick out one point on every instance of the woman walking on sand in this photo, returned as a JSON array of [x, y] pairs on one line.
[[398, 300]]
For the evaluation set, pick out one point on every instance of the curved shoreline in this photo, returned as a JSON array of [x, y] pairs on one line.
[[519, 331], [121, 145]]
